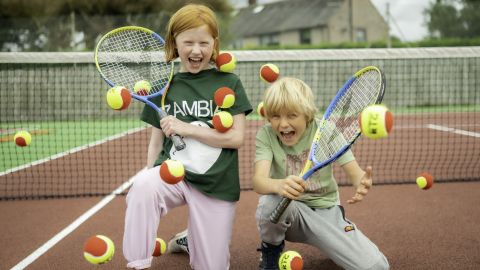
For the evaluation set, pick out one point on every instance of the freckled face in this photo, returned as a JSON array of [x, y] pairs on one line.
[[195, 48], [289, 127]]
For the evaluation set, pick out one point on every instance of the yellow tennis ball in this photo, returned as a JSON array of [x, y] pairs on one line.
[[261, 109], [269, 73], [118, 98], [224, 97], [22, 138], [226, 62], [222, 121], [160, 247], [142, 88], [290, 260], [172, 171], [98, 249], [424, 181], [376, 121]]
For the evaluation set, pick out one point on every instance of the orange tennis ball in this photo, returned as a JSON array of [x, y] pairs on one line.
[[261, 109], [172, 171], [376, 121], [290, 260], [226, 62], [98, 249], [222, 121], [22, 138], [425, 181], [160, 247], [119, 98], [269, 72], [224, 97], [142, 88]]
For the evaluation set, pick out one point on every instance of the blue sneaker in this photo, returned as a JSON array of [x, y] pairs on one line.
[[270, 256]]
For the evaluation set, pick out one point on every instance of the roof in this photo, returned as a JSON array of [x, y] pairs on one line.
[[282, 16]]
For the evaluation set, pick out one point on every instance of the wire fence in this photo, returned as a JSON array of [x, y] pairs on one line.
[[80, 147]]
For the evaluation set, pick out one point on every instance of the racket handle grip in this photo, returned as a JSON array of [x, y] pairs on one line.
[[278, 211], [178, 142], [176, 139]]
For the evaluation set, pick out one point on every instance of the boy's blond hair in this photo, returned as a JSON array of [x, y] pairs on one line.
[[289, 95], [189, 17]]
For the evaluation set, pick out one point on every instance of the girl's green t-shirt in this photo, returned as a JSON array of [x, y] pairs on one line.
[[190, 98]]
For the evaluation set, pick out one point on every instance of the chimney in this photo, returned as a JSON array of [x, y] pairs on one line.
[[252, 2]]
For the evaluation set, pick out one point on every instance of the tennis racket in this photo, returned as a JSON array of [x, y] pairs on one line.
[[339, 127], [127, 55]]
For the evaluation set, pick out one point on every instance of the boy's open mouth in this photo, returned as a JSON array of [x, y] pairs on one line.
[[287, 134]]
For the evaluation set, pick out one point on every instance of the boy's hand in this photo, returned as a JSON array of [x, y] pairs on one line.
[[291, 187], [363, 187]]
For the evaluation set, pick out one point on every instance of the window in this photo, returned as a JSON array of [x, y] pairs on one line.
[[361, 35], [305, 36], [269, 39]]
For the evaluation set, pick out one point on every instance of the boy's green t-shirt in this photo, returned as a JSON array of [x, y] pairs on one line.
[[322, 189], [213, 171]]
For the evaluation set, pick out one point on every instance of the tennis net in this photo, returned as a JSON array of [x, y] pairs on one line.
[[80, 147]]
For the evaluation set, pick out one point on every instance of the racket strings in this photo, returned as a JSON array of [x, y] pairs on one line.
[[328, 143], [126, 57], [342, 127]]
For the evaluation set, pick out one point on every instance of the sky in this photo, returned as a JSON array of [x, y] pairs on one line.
[[408, 14], [407, 23]]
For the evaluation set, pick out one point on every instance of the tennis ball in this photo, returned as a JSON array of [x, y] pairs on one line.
[[222, 121], [290, 260], [226, 62], [98, 249], [22, 138], [142, 88], [261, 109], [118, 98], [376, 121], [425, 180], [160, 247], [269, 73], [224, 97], [172, 171]]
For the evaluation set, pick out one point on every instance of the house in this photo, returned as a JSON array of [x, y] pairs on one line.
[[295, 22]]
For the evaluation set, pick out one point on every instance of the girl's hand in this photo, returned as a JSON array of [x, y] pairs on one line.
[[291, 187], [171, 125], [363, 188]]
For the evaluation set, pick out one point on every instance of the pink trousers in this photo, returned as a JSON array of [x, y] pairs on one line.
[[210, 222]]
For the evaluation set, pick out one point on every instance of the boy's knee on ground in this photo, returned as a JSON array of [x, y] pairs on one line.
[[382, 264]]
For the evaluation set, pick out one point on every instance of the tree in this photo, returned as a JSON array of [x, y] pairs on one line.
[[66, 25], [471, 18], [453, 18]]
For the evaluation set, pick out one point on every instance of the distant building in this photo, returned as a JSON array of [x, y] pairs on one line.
[[294, 22]]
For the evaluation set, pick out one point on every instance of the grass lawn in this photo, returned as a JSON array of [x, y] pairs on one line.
[[56, 137]]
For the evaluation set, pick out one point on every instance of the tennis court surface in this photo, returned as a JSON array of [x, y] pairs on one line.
[[435, 229], [81, 151]]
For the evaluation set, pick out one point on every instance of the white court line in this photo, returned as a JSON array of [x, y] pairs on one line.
[[437, 127], [75, 224], [467, 133], [70, 228], [454, 130], [71, 151], [440, 128]]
